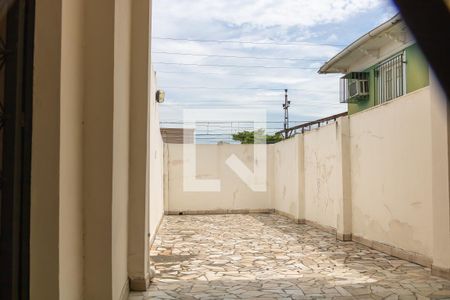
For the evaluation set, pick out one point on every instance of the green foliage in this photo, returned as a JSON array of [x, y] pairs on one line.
[[248, 137]]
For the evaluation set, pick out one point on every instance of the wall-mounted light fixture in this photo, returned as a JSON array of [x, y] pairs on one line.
[[160, 96]]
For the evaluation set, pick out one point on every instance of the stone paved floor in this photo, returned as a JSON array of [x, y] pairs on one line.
[[270, 257]]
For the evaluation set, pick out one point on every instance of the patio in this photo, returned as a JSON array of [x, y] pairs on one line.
[[267, 256]]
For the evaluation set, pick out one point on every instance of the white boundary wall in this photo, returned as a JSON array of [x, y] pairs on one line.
[[322, 176], [286, 175], [391, 173], [211, 164], [379, 176]]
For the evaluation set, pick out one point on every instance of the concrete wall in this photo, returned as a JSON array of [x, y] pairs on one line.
[[156, 166], [91, 147], [391, 197], [286, 177], [71, 153], [121, 146], [234, 194], [45, 249], [321, 175], [141, 98], [440, 186], [380, 177]]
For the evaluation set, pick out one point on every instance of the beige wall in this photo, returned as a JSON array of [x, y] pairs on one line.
[[156, 165], [121, 146], [45, 166], [141, 99], [71, 150], [440, 147], [391, 173], [286, 180], [98, 148], [211, 164], [322, 176], [380, 175], [90, 116]]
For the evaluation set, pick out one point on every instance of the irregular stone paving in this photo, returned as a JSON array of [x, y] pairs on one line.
[[267, 256]]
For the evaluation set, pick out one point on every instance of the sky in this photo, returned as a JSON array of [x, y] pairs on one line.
[[244, 53]]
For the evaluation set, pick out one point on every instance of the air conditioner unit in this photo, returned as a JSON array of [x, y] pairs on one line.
[[357, 87]]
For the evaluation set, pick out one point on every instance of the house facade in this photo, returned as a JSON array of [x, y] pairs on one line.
[[382, 65]]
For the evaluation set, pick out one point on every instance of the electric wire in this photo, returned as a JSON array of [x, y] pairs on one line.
[[231, 66], [310, 44], [240, 57]]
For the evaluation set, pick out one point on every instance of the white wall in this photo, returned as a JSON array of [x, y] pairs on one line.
[[286, 180], [440, 139], [155, 158], [380, 175], [234, 193], [87, 120], [391, 173], [322, 176]]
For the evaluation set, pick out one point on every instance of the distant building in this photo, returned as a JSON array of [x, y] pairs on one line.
[[178, 135], [380, 66]]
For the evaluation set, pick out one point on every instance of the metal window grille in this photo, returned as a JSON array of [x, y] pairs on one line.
[[390, 79]]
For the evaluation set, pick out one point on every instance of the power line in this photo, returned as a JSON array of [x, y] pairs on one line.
[[206, 73], [241, 88], [260, 102], [270, 105], [212, 73], [232, 66], [225, 74], [236, 56], [219, 88], [229, 122], [249, 42]]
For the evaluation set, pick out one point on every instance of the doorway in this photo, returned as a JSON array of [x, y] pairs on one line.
[[16, 68]]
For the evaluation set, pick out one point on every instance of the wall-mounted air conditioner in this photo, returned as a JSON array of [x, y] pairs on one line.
[[358, 88], [354, 87]]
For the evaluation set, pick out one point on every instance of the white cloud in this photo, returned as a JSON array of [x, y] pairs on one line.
[[313, 95], [263, 13]]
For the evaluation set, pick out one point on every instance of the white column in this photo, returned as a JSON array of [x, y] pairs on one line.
[[344, 221], [301, 178], [138, 226]]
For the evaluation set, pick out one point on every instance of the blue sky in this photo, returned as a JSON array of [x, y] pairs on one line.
[[314, 31]]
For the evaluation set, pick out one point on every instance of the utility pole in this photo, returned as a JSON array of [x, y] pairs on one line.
[[286, 105]]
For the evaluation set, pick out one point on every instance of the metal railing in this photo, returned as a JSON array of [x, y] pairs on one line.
[[311, 125]]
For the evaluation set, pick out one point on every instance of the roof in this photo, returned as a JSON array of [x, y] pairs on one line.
[[367, 45]]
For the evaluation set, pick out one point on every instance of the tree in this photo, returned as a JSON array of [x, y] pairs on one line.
[[248, 137]]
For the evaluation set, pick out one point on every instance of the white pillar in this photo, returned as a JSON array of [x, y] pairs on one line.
[[344, 221], [301, 178], [138, 228]]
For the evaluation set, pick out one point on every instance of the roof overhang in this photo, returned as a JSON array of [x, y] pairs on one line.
[[368, 45]]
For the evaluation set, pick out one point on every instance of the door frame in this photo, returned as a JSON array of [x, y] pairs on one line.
[[17, 135]]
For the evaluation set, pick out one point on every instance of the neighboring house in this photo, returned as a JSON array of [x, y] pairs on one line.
[[382, 65]]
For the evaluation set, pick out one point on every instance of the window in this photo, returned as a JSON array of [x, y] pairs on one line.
[[390, 79], [354, 87]]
